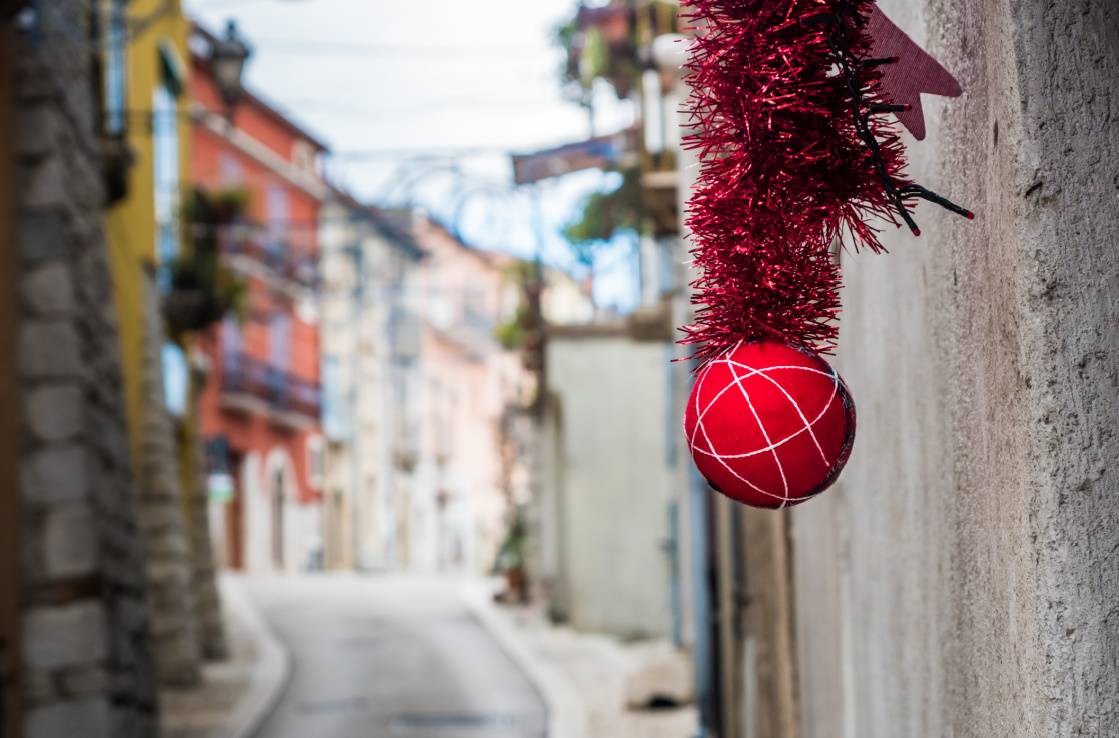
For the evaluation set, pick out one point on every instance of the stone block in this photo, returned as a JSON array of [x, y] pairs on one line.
[[84, 182], [43, 184], [70, 541], [54, 412], [42, 236], [86, 681], [38, 688], [55, 473], [88, 718], [49, 349], [65, 636], [36, 127], [49, 289]]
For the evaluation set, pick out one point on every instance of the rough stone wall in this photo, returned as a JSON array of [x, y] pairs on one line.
[[167, 546], [962, 578], [87, 663], [211, 628]]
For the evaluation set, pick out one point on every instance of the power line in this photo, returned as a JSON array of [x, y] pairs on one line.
[[393, 154], [395, 52]]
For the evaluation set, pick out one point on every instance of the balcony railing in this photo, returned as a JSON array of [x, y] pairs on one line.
[[278, 255], [245, 375]]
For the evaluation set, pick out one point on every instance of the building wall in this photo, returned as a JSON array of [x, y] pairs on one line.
[[131, 227], [459, 509], [130, 224], [607, 484], [277, 504], [370, 347], [961, 579], [87, 666]]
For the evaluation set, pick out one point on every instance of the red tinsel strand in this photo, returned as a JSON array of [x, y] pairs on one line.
[[784, 174]]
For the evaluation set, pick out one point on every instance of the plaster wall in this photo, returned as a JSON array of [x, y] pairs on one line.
[[961, 580], [608, 482]]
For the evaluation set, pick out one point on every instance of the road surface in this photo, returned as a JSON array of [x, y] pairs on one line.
[[388, 657]]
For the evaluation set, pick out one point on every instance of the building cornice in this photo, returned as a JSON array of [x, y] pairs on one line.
[[246, 144]]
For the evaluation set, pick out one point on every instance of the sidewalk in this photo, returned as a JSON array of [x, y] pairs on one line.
[[584, 678], [235, 695]]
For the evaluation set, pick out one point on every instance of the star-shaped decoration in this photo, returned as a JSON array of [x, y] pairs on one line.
[[914, 72]]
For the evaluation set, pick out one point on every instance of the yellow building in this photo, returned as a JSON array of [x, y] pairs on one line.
[[147, 116], [145, 109]]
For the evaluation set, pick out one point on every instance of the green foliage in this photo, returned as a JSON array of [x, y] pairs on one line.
[[512, 333], [514, 549], [605, 214], [203, 290], [218, 206], [588, 56]]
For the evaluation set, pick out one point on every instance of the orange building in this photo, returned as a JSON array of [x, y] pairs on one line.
[[261, 406]]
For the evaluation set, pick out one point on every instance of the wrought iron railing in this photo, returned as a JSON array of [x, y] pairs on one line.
[[244, 374], [279, 255]]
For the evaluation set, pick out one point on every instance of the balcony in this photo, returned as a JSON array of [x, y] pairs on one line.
[[251, 385], [282, 260]]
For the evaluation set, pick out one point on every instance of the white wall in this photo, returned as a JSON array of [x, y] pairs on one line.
[[608, 487]]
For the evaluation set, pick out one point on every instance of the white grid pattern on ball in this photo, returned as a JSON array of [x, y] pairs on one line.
[[771, 446]]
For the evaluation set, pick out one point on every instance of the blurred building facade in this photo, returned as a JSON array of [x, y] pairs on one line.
[[145, 119], [371, 337], [261, 407], [467, 486], [610, 387]]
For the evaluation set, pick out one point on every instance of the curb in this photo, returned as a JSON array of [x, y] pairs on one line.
[[272, 670], [567, 716]]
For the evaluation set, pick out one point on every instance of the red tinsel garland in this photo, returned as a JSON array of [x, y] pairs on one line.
[[796, 155]]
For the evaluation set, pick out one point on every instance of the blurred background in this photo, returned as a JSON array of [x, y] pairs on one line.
[[337, 366]]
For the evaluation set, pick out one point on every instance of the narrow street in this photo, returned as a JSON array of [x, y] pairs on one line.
[[390, 656]]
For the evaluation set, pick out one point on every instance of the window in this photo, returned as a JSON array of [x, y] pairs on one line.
[[176, 379], [116, 115], [232, 173], [165, 162], [277, 217], [231, 338], [316, 461], [336, 408], [303, 156], [279, 338]]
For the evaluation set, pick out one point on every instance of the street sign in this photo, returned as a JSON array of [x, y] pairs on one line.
[[600, 152]]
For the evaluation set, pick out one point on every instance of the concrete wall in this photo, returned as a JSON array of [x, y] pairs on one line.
[[87, 666], [962, 578], [607, 485]]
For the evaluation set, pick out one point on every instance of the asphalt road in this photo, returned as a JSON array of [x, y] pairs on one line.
[[382, 657]]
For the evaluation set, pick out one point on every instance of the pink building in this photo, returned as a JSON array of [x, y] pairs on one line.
[[472, 387]]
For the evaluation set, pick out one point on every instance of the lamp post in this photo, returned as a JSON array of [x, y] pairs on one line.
[[227, 63]]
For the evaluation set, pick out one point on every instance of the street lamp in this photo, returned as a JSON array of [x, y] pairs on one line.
[[227, 63]]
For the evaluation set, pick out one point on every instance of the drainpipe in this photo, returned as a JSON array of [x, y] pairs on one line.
[[703, 645]]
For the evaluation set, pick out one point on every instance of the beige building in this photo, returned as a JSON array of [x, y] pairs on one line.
[[371, 376]]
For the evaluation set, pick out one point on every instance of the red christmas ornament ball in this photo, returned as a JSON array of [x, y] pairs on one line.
[[769, 424]]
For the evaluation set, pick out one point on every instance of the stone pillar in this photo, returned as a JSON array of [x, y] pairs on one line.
[[211, 628], [167, 546], [87, 666]]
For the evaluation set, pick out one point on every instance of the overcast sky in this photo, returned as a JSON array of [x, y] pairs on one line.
[[375, 78]]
